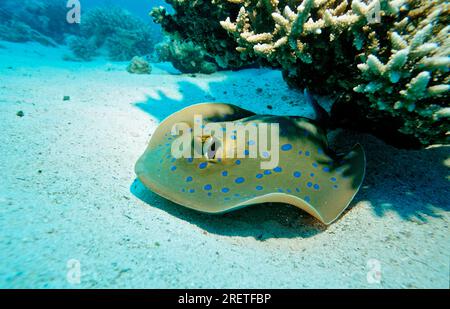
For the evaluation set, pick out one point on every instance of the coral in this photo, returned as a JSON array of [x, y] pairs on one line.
[[41, 21], [386, 59], [123, 35], [197, 22], [139, 65], [185, 56], [83, 48]]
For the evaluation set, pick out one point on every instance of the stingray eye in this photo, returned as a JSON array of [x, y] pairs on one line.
[[210, 147]]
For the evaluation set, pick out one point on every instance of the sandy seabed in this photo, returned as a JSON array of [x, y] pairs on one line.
[[68, 191]]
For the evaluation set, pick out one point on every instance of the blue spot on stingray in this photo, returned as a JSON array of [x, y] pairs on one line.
[[320, 151], [202, 126], [300, 152], [224, 129], [183, 190], [225, 190], [315, 165], [312, 174], [335, 186], [239, 180], [288, 191], [233, 137], [224, 173], [207, 187], [286, 147], [246, 152], [203, 165], [250, 143], [209, 193], [267, 172], [277, 169], [297, 189], [309, 184], [280, 190], [265, 154], [259, 188], [259, 176], [307, 199], [190, 160], [297, 174], [168, 156], [326, 169], [307, 153], [238, 162], [167, 144], [316, 187], [173, 168], [173, 160], [188, 179], [191, 191], [237, 195], [333, 179]]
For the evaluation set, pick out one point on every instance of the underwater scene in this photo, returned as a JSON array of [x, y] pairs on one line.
[[224, 144]]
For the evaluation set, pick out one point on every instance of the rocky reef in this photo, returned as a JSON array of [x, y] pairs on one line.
[[139, 65], [387, 62]]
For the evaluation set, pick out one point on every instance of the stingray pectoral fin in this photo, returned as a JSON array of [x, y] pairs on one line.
[[328, 203], [283, 198], [346, 180]]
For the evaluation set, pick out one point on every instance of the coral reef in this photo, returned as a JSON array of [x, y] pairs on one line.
[[41, 21], [83, 48], [139, 65], [386, 60], [197, 23], [185, 56], [123, 35]]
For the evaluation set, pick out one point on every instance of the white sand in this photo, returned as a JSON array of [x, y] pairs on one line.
[[85, 205]]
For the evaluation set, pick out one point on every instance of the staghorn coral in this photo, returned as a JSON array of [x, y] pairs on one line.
[[386, 60]]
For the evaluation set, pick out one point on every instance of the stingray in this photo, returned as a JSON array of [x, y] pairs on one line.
[[308, 174]]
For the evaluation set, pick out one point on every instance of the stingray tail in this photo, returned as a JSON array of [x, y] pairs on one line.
[[322, 116]]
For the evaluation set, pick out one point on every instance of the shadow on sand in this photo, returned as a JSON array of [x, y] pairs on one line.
[[261, 222], [411, 183]]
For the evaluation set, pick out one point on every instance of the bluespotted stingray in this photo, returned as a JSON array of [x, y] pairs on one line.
[[308, 174]]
